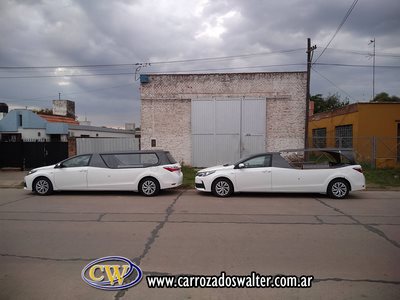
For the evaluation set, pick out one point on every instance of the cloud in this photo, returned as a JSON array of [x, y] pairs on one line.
[[60, 33]]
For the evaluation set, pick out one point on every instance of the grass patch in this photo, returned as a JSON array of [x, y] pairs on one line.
[[188, 177], [382, 178]]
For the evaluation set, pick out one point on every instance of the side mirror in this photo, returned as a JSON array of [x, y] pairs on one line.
[[241, 166], [58, 166]]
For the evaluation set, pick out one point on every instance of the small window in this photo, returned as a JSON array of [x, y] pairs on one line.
[[38, 134], [153, 143], [319, 137], [344, 136], [20, 120], [78, 161], [258, 162], [130, 160]]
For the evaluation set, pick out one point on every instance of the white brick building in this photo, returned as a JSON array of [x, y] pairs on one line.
[[205, 119]]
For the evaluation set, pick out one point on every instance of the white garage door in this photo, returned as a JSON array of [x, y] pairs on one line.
[[226, 129]]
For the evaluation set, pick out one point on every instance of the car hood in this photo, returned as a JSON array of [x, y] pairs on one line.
[[44, 168], [218, 168]]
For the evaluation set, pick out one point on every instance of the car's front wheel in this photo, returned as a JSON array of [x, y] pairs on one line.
[[222, 187], [42, 186], [338, 189], [149, 187]]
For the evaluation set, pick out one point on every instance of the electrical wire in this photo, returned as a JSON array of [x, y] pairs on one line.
[[356, 66], [71, 93], [199, 70], [331, 82], [338, 29], [152, 63], [153, 72], [366, 53]]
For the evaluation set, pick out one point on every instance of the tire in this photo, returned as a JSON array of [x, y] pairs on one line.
[[149, 187], [222, 187], [338, 188], [42, 186]]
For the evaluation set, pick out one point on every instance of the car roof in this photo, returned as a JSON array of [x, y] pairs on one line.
[[127, 152], [338, 150]]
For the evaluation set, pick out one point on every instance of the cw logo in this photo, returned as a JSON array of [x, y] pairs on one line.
[[112, 273]]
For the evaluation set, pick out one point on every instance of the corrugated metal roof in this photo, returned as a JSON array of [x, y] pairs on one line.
[[96, 128], [59, 119]]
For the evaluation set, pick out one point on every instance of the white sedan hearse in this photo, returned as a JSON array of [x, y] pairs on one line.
[[328, 171], [145, 171]]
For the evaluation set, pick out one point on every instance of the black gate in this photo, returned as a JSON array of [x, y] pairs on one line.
[[28, 155]]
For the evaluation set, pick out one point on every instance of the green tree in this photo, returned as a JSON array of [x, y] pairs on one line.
[[384, 97], [333, 101]]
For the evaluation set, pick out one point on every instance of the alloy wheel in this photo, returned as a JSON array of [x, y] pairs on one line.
[[149, 187], [222, 188], [42, 187], [339, 189]]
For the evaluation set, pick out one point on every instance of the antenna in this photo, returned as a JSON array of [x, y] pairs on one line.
[[373, 69]]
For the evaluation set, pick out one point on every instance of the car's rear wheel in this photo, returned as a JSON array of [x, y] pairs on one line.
[[338, 188], [222, 187], [149, 187], [42, 186]]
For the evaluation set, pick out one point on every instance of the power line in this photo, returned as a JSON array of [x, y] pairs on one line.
[[364, 52], [199, 70], [354, 66], [152, 63], [229, 57], [331, 82], [339, 27], [154, 72], [71, 93]]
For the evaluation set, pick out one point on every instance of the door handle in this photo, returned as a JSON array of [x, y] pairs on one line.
[[266, 171]]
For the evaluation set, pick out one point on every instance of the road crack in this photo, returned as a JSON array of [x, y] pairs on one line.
[[370, 228], [152, 238]]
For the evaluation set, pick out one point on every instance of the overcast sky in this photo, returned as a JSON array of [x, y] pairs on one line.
[[76, 33]]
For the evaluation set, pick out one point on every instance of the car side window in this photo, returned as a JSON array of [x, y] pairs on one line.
[[262, 161], [79, 161], [130, 160]]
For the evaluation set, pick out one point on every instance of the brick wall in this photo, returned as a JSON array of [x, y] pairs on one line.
[[71, 146], [166, 107]]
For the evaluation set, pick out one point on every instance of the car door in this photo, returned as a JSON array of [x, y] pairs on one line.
[[123, 171], [72, 173], [299, 180], [254, 174]]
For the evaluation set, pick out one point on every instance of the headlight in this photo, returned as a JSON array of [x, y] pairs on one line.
[[202, 174], [31, 172]]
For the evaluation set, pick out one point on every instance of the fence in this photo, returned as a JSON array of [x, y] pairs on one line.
[[27, 155], [91, 145], [377, 152]]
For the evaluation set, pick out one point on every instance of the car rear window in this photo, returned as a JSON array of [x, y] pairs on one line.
[[130, 160], [170, 158]]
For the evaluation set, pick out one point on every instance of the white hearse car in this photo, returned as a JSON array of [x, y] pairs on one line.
[[145, 171], [329, 171]]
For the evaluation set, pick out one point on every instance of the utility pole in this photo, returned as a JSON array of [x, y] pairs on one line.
[[373, 69], [309, 61]]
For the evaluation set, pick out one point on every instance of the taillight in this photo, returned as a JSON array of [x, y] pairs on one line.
[[172, 169], [358, 169]]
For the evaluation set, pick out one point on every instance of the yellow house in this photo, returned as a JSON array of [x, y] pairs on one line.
[[371, 129]]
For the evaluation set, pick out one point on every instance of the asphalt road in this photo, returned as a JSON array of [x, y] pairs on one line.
[[351, 247]]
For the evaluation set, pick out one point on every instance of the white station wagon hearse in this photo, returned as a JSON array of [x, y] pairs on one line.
[[145, 171]]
